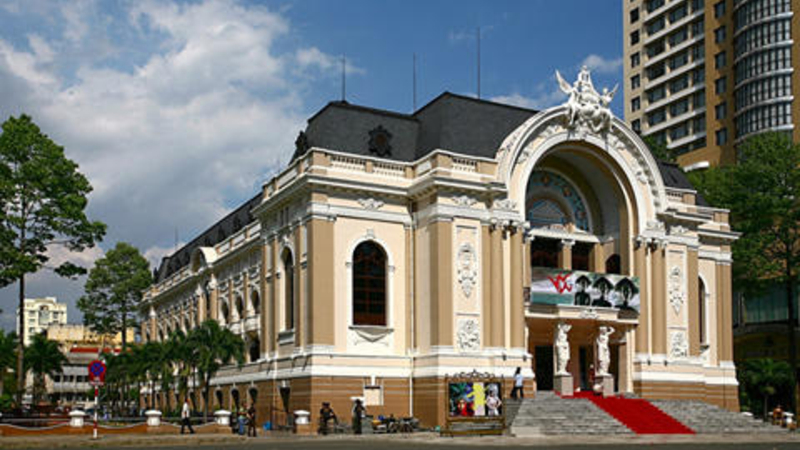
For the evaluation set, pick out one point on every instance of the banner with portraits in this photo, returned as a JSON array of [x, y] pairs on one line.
[[579, 288]]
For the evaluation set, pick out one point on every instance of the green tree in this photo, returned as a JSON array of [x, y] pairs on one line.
[[216, 346], [114, 289], [659, 149], [8, 355], [43, 198], [762, 192], [43, 358], [765, 377]]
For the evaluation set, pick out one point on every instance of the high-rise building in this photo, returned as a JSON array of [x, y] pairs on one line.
[[40, 313], [703, 75]]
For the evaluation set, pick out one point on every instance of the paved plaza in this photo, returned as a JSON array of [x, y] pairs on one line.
[[416, 441]]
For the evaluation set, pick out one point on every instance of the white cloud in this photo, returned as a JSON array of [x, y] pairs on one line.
[[312, 57], [602, 65], [545, 94], [176, 140], [155, 253]]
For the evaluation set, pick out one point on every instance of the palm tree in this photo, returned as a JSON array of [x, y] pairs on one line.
[[766, 376], [215, 346], [42, 357], [8, 354]]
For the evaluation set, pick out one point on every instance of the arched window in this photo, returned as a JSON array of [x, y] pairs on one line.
[[614, 264], [701, 316], [544, 252], [239, 307], [369, 285], [254, 349], [288, 289], [255, 302], [224, 312]]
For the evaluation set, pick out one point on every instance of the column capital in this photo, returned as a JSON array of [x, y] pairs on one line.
[[567, 242]]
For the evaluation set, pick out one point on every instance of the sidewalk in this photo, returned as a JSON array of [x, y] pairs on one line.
[[412, 440]]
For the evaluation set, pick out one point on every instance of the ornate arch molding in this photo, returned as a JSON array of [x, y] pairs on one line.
[[540, 134]]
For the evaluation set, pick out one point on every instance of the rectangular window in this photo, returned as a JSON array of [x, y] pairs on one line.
[[677, 13], [635, 37], [634, 15], [635, 60], [637, 125], [721, 110], [636, 104], [719, 34], [720, 86], [722, 136], [719, 60], [636, 82], [719, 9]]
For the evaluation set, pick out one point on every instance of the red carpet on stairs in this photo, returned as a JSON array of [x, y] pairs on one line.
[[639, 415]]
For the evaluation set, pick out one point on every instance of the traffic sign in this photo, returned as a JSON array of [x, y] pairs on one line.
[[97, 372]]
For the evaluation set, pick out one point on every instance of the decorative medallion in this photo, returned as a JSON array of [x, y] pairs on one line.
[[467, 272], [679, 346], [505, 204], [370, 203], [676, 294], [468, 335], [589, 313], [380, 142], [464, 200]]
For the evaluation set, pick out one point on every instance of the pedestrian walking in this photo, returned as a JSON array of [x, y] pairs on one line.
[[186, 416], [358, 414], [242, 419], [519, 383], [251, 420]]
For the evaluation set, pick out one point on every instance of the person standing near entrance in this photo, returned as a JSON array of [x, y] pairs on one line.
[[186, 417], [251, 420], [519, 383], [358, 414]]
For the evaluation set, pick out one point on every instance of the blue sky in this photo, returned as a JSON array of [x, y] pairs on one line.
[[178, 111]]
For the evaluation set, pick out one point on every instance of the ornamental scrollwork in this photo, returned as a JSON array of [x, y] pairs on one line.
[[467, 272]]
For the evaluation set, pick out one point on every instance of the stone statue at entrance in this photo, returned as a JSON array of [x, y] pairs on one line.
[[587, 107], [562, 348], [603, 353]]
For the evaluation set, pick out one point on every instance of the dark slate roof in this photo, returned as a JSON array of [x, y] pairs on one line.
[[218, 232], [675, 177], [452, 122]]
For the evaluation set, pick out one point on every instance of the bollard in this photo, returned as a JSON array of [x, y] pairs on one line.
[[153, 418], [222, 417], [76, 419], [301, 417]]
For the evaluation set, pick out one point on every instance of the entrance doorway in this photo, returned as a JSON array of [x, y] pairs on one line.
[[543, 367], [586, 363]]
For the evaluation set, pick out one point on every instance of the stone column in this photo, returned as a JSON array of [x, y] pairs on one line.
[[597, 259], [275, 300], [693, 282], [659, 302], [213, 292], [321, 318], [441, 307], [725, 308], [299, 290], [266, 331], [517, 308], [153, 325], [565, 254], [640, 270], [487, 285], [496, 306]]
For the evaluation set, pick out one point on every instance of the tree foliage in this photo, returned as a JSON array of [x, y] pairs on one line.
[[43, 198], [114, 289], [43, 358], [763, 378], [762, 192], [659, 149], [8, 355]]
